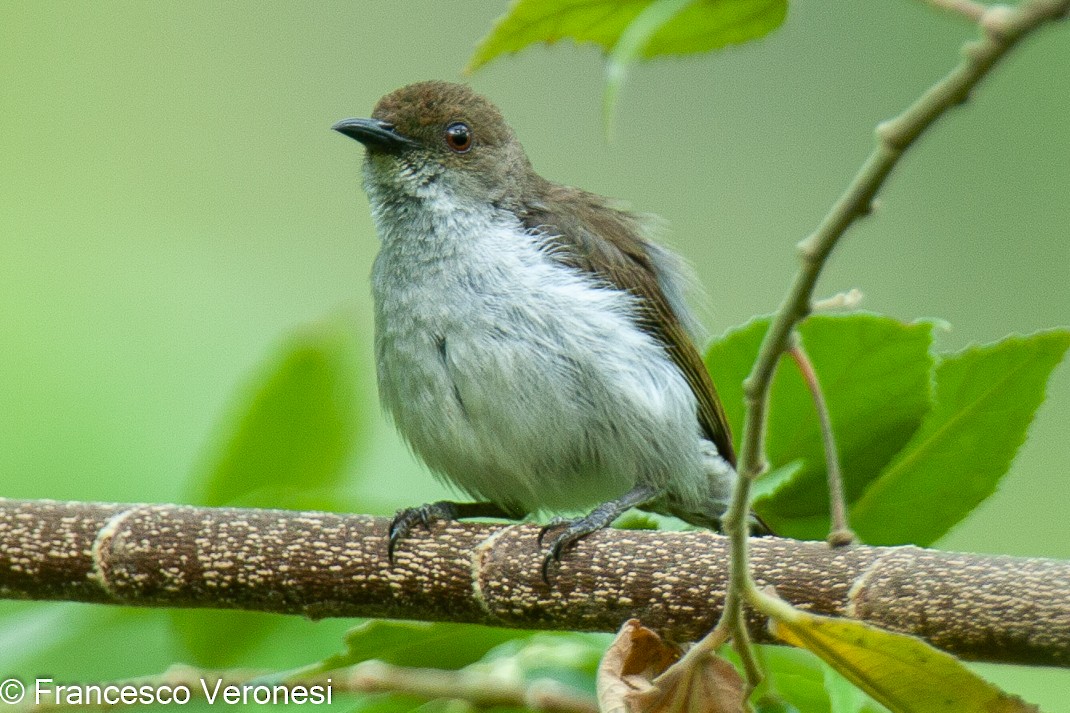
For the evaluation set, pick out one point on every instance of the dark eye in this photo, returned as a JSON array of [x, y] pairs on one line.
[[459, 136]]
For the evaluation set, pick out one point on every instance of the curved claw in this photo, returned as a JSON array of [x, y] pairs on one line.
[[406, 518], [400, 527], [595, 520], [549, 558], [559, 544], [575, 531], [555, 523]]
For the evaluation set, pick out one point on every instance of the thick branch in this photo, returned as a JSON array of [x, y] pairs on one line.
[[315, 564]]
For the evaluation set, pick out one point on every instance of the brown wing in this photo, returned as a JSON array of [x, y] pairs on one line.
[[587, 233]]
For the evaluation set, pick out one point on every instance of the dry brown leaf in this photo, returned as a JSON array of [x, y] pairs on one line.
[[641, 673], [631, 663]]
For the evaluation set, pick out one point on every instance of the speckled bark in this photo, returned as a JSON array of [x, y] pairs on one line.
[[323, 565]]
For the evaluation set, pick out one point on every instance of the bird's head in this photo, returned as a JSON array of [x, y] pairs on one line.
[[431, 139]]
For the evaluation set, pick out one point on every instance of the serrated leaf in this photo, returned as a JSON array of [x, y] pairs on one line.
[[899, 671], [875, 374], [700, 27], [985, 399], [295, 428], [427, 645]]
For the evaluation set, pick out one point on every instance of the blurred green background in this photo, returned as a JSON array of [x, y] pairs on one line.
[[173, 203]]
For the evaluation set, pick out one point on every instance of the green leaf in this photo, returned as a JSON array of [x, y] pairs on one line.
[[634, 520], [569, 657], [875, 374], [426, 645], [219, 638], [701, 26], [901, 672], [729, 359], [294, 431], [770, 484], [794, 681], [985, 397], [777, 705], [295, 428], [845, 697], [635, 37]]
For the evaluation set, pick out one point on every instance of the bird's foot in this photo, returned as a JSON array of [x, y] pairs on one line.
[[578, 528], [407, 518], [553, 525]]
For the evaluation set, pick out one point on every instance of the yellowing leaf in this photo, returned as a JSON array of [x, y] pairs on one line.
[[902, 672]]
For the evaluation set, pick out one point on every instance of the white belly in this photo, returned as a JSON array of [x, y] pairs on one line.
[[521, 381]]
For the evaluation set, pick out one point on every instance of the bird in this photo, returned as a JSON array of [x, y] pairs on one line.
[[533, 342]]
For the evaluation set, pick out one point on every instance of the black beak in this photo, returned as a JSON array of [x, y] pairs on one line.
[[373, 133]]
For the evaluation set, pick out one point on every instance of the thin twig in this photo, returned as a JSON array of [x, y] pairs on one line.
[[841, 300], [1002, 28], [744, 648], [478, 688], [840, 533]]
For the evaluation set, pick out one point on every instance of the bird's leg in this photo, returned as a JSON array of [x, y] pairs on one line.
[[407, 518], [601, 516]]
